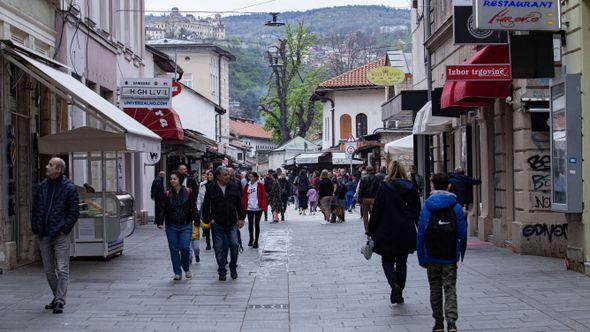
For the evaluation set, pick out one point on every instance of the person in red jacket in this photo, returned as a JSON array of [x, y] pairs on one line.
[[254, 202]]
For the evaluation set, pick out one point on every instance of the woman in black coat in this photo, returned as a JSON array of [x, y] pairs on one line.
[[392, 226]]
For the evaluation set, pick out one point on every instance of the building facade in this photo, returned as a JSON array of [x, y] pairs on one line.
[[188, 27]]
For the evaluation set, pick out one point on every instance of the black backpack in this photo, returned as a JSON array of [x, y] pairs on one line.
[[440, 237]]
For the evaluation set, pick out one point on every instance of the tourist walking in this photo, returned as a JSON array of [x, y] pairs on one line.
[[267, 187], [254, 202], [350, 190], [286, 190], [179, 213], [326, 195], [55, 212], [442, 240], [392, 227], [312, 197], [302, 182], [158, 195], [417, 179], [340, 195], [275, 198], [222, 208], [367, 191], [202, 189]]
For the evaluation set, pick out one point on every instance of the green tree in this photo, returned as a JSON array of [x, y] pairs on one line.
[[291, 106]]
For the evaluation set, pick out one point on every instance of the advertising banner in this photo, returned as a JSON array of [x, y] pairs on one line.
[[465, 31], [524, 15], [488, 72], [146, 93]]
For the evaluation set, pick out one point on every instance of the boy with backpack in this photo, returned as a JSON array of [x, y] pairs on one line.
[[442, 240]]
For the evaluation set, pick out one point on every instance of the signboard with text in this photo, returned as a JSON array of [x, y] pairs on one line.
[[466, 33], [488, 72], [146, 93], [525, 15], [386, 76]]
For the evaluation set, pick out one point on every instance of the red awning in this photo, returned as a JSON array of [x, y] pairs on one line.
[[474, 93], [162, 121]]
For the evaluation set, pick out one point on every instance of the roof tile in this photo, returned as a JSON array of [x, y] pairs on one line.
[[248, 129]]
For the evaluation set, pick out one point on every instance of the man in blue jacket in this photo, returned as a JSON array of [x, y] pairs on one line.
[[55, 213], [442, 239]]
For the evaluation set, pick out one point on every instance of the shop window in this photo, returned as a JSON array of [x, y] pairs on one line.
[[361, 125], [345, 126]]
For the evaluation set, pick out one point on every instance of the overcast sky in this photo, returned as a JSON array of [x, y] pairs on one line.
[[270, 6]]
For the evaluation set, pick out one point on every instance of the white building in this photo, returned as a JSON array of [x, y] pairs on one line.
[[293, 147], [193, 28], [352, 105]]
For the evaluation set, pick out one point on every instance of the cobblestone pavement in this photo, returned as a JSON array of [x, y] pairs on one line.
[[304, 277]]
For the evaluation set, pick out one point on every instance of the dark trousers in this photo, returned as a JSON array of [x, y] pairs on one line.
[[395, 270], [207, 234], [266, 210], [225, 239], [285, 202], [254, 225], [158, 213]]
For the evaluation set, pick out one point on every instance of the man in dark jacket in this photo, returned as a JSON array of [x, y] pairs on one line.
[[158, 195], [54, 215], [286, 190], [462, 186], [417, 179], [367, 191], [222, 208]]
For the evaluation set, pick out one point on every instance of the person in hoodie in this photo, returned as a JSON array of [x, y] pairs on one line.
[[462, 186], [442, 240], [392, 226]]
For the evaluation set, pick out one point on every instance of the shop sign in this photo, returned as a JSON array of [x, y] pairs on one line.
[[151, 158], [488, 72], [465, 31], [524, 15], [146, 93], [386, 76]]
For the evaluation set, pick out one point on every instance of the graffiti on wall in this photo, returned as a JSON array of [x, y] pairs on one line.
[[539, 163], [542, 202], [549, 231], [541, 182]]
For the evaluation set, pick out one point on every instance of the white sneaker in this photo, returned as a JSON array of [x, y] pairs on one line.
[[188, 275], [177, 277]]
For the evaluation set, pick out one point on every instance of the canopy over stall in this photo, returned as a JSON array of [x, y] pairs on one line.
[[401, 146], [427, 124]]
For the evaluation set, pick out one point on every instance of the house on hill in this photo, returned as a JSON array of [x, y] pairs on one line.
[[253, 135]]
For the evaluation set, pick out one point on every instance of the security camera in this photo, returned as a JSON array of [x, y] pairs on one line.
[[509, 100]]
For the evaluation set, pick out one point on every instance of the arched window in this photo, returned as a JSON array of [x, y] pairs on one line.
[[345, 126], [361, 125]]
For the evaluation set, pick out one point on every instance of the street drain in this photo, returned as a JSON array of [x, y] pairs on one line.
[[268, 306]]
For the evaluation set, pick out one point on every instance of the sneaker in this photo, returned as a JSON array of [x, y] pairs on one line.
[[438, 327], [234, 274], [222, 278], [177, 277], [188, 275], [197, 258], [58, 308], [250, 243], [51, 305], [255, 245], [451, 327]]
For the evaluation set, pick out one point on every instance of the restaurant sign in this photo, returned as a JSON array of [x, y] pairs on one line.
[[487, 72], [386, 76], [525, 15]]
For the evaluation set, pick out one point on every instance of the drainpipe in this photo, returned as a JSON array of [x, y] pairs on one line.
[[422, 140], [323, 99]]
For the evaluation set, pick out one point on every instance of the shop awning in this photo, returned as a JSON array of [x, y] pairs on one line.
[[163, 121], [132, 135], [339, 158], [427, 124], [401, 146], [404, 105], [478, 93], [309, 158]]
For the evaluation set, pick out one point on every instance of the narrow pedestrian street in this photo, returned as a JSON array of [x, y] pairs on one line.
[[305, 276]]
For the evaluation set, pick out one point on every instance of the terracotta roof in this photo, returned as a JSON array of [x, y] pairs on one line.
[[356, 77], [248, 129]]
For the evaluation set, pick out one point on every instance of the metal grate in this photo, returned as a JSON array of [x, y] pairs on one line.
[[268, 306]]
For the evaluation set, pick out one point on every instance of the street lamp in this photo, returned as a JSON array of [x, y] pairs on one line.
[[274, 22]]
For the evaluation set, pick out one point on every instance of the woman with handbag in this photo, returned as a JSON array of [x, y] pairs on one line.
[[392, 226], [179, 213]]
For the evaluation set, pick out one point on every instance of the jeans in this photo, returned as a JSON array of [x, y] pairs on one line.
[[395, 269], [225, 238], [349, 200], [179, 241], [254, 225], [55, 253]]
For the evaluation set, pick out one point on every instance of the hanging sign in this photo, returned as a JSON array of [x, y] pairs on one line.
[[524, 15], [152, 158], [176, 88], [488, 72], [146, 92], [465, 31], [386, 76]]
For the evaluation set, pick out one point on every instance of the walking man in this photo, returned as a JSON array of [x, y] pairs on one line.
[[417, 179], [222, 208], [442, 240], [55, 213], [158, 194], [286, 190]]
